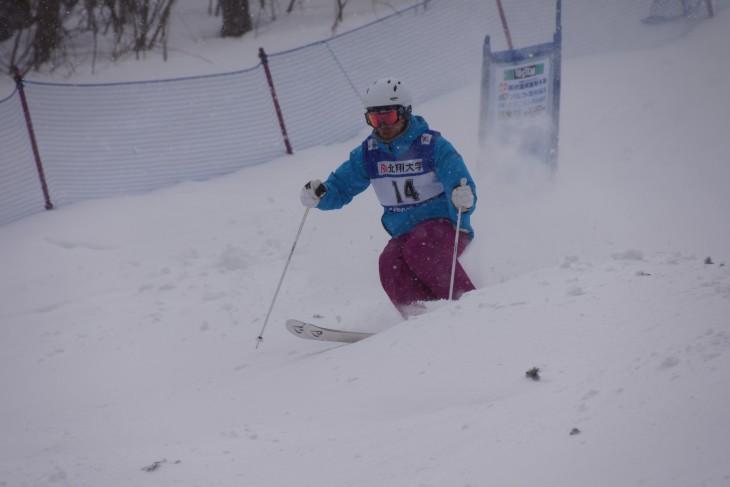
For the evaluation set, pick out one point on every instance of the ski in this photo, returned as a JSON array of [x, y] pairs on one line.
[[314, 332]]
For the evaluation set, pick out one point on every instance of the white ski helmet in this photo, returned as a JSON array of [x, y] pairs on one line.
[[387, 92]]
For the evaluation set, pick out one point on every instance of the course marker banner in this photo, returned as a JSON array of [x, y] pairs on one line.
[[520, 104]]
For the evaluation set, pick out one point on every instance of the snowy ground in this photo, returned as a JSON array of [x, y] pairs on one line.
[[128, 325]]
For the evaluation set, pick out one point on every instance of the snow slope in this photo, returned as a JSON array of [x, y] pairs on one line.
[[128, 325]]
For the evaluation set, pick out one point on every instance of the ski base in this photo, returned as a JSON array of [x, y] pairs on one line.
[[314, 332]]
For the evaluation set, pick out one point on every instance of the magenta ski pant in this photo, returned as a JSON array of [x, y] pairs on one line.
[[417, 266]]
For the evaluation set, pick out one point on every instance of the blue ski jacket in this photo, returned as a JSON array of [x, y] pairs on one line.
[[413, 177]]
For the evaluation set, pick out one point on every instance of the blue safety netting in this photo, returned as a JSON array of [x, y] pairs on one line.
[[20, 190]]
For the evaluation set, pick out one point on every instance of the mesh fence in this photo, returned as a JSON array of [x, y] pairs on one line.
[[114, 139], [20, 191]]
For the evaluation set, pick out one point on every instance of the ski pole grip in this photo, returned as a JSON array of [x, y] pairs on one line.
[[320, 190]]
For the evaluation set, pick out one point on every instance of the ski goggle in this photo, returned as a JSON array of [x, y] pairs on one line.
[[387, 117]]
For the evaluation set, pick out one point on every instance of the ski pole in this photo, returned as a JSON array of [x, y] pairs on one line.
[[281, 279], [456, 248]]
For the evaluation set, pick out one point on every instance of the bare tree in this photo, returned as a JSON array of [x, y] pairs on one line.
[[291, 6], [236, 17], [46, 31], [339, 13], [149, 20], [14, 15]]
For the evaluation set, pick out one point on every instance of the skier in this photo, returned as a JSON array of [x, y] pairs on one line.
[[417, 176]]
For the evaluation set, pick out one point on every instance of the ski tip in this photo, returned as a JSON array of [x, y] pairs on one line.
[[295, 326]]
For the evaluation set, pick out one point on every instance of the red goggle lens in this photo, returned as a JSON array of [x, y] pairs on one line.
[[376, 119]]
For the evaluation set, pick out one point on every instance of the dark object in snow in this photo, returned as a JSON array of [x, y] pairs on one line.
[[574, 431], [154, 466], [708, 261], [533, 373]]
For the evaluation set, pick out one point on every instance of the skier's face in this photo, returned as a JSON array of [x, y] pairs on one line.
[[388, 122], [390, 132]]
